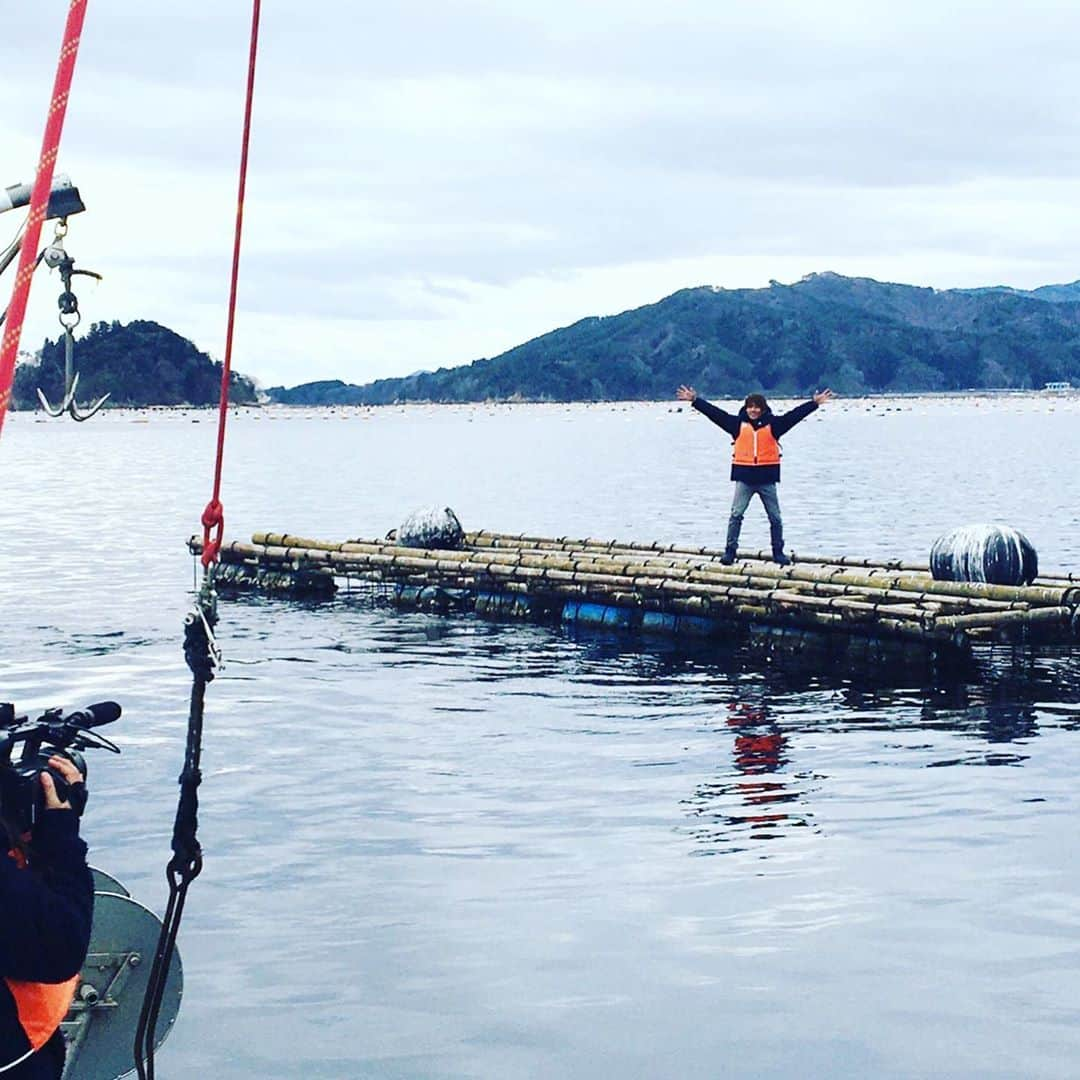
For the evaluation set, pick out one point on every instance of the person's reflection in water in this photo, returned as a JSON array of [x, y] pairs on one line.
[[760, 786], [759, 752]]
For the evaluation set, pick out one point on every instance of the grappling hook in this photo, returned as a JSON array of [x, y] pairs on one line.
[[54, 256]]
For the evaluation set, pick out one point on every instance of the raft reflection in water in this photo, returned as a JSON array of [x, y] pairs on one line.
[[767, 796]]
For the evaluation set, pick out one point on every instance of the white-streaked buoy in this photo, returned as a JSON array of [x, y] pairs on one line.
[[996, 554], [431, 527]]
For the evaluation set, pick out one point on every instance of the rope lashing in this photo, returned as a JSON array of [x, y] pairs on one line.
[[213, 522], [39, 201]]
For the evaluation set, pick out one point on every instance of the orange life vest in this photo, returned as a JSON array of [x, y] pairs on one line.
[[755, 446], [40, 1006]]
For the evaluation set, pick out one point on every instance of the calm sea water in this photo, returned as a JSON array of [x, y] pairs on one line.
[[444, 848]]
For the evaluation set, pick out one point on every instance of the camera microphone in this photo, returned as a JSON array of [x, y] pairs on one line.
[[103, 712]]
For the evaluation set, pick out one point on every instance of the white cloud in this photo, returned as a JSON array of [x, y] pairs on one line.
[[431, 183]]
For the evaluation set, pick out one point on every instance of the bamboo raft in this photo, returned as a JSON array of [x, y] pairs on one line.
[[871, 607]]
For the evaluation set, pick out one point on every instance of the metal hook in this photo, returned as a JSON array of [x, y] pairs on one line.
[[55, 256], [71, 384]]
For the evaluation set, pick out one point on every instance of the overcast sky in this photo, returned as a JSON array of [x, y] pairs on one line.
[[432, 182]]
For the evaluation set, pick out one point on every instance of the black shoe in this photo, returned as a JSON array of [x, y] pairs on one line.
[[780, 559], [727, 558]]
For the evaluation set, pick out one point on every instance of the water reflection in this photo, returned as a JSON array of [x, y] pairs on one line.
[[985, 715], [996, 713], [756, 801], [481, 836]]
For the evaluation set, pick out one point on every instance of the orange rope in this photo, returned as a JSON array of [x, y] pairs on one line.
[[39, 202], [213, 517]]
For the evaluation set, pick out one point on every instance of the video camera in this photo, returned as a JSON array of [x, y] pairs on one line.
[[22, 797]]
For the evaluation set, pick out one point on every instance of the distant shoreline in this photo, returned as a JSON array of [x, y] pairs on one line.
[[275, 406]]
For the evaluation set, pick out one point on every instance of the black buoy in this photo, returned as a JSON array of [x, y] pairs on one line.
[[996, 554], [434, 527]]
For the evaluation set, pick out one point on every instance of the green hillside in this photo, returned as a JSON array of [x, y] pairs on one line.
[[856, 335], [142, 363]]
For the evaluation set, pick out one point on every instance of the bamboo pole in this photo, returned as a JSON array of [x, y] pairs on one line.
[[997, 619], [904, 604], [484, 537], [511, 541], [705, 598], [505, 541], [875, 578], [501, 565], [508, 540], [706, 571]]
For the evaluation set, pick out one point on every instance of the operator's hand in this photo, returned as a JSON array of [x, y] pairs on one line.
[[686, 393], [70, 774], [822, 396]]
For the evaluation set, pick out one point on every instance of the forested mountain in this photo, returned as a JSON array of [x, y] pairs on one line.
[[856, 335], [142, 363]]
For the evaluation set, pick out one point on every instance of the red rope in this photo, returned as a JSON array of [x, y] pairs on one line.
[[213, 517], [39, 201]]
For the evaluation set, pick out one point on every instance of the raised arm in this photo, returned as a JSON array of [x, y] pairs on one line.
[[783, 424], [717, 415]]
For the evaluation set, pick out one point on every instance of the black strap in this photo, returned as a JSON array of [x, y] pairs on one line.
[[186, 862]]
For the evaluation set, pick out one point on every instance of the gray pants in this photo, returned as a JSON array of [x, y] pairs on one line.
[[745, 492], [769, 499]]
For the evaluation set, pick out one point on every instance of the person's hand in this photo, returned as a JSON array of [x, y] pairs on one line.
[[686, 393], [71, 776], [822, 396]]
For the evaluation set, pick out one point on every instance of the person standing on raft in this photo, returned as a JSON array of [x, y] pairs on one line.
[[755, 459]]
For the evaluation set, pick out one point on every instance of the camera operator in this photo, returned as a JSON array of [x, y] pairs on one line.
[[46, 909]]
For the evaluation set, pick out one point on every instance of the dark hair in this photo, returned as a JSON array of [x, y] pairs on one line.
[[756, 399]]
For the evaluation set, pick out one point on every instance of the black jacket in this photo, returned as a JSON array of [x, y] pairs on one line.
[[781, 425], [45, 917]]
